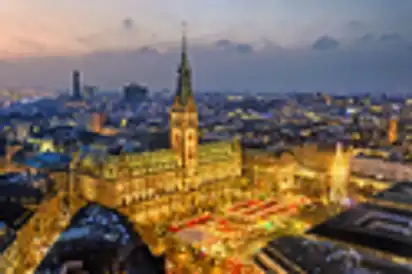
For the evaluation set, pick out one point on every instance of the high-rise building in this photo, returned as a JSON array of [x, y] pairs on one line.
[[76, 85], [134, 93], [89, 92]]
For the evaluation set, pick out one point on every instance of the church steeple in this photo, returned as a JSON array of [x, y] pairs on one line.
[[184, 93], [184, 123]]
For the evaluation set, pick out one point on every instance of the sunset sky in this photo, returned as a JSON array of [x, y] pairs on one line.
[[134, 36]]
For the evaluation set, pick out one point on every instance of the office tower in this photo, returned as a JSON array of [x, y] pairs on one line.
[[76, 85], [134, 94], [89, 92]]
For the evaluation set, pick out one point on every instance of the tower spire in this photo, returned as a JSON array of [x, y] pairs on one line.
[[184, 93], [184, 38]]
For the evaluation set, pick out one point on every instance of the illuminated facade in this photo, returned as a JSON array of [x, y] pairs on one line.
[[97, 122], [339, 176], [127, 179], [393, 130], [380, 167], [155, 187]]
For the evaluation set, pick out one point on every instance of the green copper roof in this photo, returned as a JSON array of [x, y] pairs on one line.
[[184, 86]]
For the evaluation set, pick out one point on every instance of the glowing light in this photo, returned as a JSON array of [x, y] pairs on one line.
[[268, 225]]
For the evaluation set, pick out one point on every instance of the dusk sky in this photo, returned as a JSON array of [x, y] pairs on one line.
[[264, 45]]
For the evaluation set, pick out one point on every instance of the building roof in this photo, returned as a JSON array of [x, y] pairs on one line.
[[311, 256], [371, 226], [354, 234], [20, 191], [93, 248], [400, 193], [14, 216], [216, 151], [48, 160], [5, 241]]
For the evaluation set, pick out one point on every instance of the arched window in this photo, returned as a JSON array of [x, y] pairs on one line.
[[177, 138]]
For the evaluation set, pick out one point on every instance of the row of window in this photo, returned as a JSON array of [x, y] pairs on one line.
[[159, 185], [164, 156], [112, 173], [154, 166]]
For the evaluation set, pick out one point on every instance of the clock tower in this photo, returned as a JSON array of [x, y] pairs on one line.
[[184, 132]]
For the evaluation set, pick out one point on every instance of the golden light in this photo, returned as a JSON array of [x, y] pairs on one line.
[[216, 270], [160, 247], [182, 258]]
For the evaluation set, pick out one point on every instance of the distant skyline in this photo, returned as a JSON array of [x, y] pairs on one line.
[[265, 45]]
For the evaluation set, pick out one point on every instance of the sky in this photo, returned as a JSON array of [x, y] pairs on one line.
[[264, 45]]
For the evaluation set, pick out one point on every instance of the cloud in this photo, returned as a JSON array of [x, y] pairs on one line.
[[367, 38], [351, 29], [32, 45], [85, 40], [325, 43], [244, 48], [106, 36], [91, 39], [393, 40], [223, 44], [128, 23], [355, 25], [228, 45], [392, 37], [147, 50], [351, 68]]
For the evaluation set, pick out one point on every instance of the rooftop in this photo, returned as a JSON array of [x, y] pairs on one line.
[[308, 255], [371, 226], [14, 216], [399, 193], [48, 160], [10, 177], [20, 191], [96, 235]]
